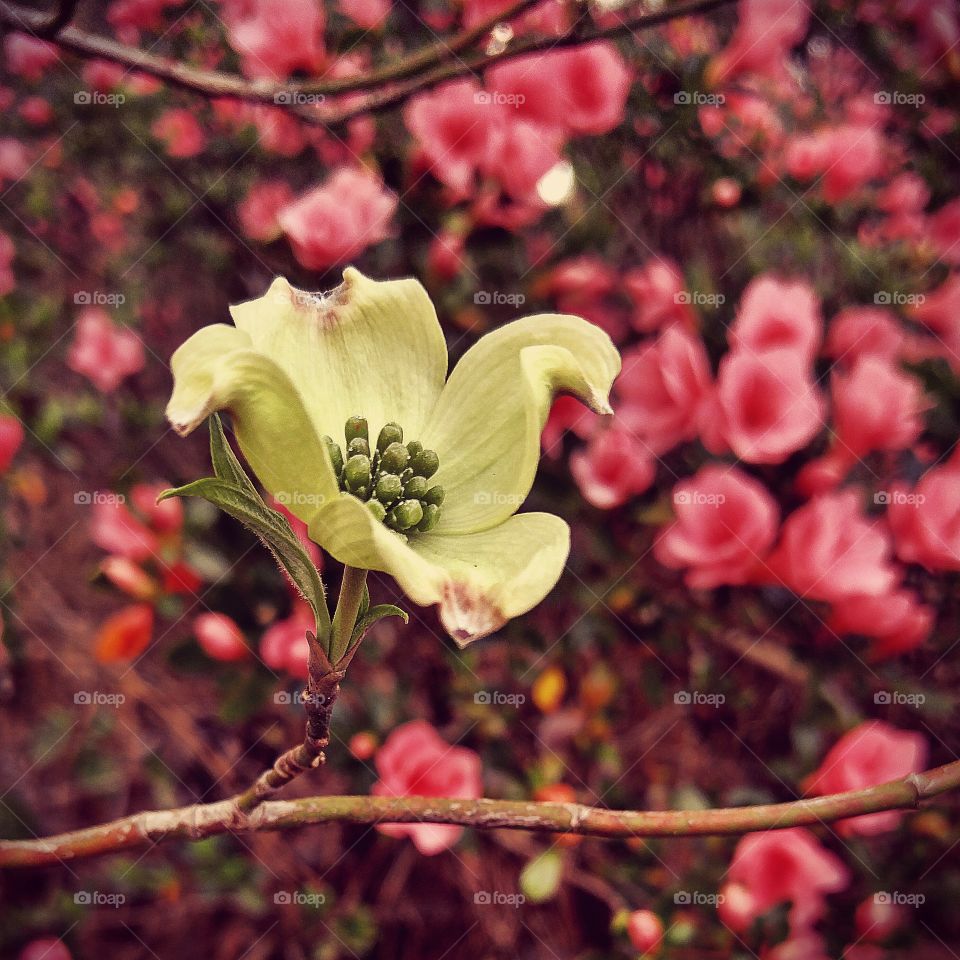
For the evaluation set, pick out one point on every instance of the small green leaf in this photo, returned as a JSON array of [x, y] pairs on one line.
[[226, 466], [540, 878], [245, 504], [367, 619]]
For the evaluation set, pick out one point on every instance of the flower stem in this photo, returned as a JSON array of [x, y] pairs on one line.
[[348, 607]]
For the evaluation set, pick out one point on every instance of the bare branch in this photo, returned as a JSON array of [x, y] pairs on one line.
[[204, 820]]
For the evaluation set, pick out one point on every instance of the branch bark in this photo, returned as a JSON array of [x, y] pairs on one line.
[[421, 70], [204, 820]]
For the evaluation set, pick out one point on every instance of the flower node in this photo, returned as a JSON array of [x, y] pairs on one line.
[[392, 478]]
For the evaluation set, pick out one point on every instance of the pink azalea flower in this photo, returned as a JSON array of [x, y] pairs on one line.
[[896, 622], [368, 14], [276, 37], [181, 133], [829, 551], [11, 438], [7, 254], [612, 468], [726, 522], [27, 56], [785, 866], [660, 300], [663, 387], [926, 520], [567, 413], [103, 352], [220, 637], [415, 761], [284, 646], [259, 211], [778, 314], [857, 332], [870, 754], [944, 232], [116, 530], [765, 406], [340, 219]]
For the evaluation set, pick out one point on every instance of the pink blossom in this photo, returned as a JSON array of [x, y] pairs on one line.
[[876, 919], [36, 111], [926, 521], [581, 91], [567, 413], [830, 551], [766, 31], [103, 352], [870, 754], [368, 14], [857, 332], [458, 132], [220, 637], [45, 948], [135, 15], [778, 314], [259, 211], [584, 277], [116, 530], [340, 219], [415, 761], [181, 133], [165, 517], [612, 468], [446, 257], [14, 160], [276, 37], [27, 56], [11, 438], [876, 406], [847, 156], [787, 866], [284, 646], [895, 622], [663, 387], [645, 930], [527, 152], [658, 294], [726, 523], [7, 255], [765, 407], [944, 232], [547, 18]]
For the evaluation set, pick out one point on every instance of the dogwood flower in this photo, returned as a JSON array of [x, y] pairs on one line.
[[341, 405]]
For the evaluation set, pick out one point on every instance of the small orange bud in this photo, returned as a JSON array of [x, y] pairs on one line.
[[363, 745], [129, 577], [126, 634], [549, 689]]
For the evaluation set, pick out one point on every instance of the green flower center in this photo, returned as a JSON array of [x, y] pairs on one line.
[[392, 478]]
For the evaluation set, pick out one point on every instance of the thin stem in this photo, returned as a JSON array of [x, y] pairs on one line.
[[204, 820], [348, 608]]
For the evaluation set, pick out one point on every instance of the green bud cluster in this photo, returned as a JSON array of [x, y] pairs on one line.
[[392, 478]]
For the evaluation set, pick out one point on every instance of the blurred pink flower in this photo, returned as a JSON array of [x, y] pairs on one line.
[[259, 211], [103, 352], [36, 111], [847, 156], [8, 253], [283, 645], [567, 413], [784, 866], [526, 153], [368, 14], [778, 314], [766, 31], [765, 406], [446, 255], [895, 622], [926, 520], [943, 232], [612, 468], [878, 919], [459, 131], [830, 551], [579, 91], [857, 332], [180, 132], [645, 930], [726, 522], [876, 406], [219, 637], [114, 528], [663, 386], [870, 754], [27, 56], [45, 948], [658, 294], [135, 15], [415, 761], [165, 517], [340, 219], [11, 438], [14, 160], [548, 18], [276, 37], [585, 277]]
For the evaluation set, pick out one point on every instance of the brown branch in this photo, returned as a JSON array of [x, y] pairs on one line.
[[422, 69], [204, 820]]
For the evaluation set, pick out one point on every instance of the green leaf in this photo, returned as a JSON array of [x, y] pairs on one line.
[[226, 466], [368, 618], [540, 878], [274, 531]]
